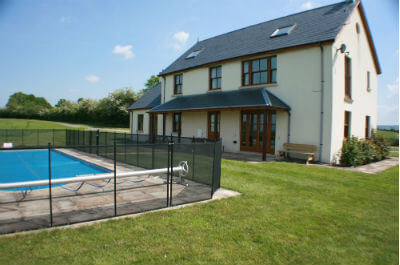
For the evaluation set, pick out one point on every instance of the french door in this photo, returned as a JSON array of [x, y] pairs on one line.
[[213, 125], [252, 131], [153, 125]]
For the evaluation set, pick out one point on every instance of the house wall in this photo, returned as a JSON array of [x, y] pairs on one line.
[[298, 84], [364, 102], [134, 121]]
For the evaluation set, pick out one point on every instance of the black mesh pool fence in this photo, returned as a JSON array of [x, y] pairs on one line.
[[73, 202]]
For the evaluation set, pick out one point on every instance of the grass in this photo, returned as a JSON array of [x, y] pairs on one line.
[[8, 123], [288, 214], [29, 124], [394, 151], [390, 137]]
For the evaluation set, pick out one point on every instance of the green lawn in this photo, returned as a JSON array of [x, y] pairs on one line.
[[288, 214], [6, 123], [390, 137], [29, 124]]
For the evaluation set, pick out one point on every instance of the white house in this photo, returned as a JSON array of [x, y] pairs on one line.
[[307, 78]]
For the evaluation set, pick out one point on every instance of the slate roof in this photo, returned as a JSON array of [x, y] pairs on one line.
[[312, 26], [149, 100], [242, 98]]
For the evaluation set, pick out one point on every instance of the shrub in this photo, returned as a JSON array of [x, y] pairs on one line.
[[356, 152]]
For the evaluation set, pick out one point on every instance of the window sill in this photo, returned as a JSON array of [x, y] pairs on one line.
[[260, 85], [214, 90], [348, 100], [177, 95]]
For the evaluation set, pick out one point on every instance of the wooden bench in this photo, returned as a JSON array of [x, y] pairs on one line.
[[299, 149]]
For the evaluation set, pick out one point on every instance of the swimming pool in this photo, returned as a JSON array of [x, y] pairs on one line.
[[28, 165]]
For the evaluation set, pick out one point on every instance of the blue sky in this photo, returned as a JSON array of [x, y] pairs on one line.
[[73, 48]]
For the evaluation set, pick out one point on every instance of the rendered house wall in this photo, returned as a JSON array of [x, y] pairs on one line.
[[364, 102]]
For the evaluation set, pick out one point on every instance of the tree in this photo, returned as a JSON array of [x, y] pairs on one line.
[[151, 82], [21, 104]]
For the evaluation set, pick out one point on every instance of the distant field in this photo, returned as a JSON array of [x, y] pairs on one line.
[[391, 137], [29, 124], [39, 124]]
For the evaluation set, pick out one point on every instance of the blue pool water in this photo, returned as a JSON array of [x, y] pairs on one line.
[[27, 165]]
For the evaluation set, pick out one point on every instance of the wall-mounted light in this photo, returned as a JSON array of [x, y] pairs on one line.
[[342, 49]]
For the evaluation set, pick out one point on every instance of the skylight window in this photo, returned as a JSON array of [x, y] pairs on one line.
[[283, 31], [194, 54]]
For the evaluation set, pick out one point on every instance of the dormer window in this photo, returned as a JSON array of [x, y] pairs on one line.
[[282, 31], [194, 54]]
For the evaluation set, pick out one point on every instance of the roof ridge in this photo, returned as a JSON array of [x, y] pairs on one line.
[[293, 14]]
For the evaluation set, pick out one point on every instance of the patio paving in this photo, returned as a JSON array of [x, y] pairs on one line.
[[247, 156]]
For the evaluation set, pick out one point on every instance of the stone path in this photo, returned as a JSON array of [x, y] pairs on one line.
[[87, 127], [372, 168]]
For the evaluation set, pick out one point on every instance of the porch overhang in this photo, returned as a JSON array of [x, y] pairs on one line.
[[249, 98]]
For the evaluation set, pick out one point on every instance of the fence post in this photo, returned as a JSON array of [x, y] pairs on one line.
[[168, 172], [125, 147], [193, 160], [152, 155], [90, 141], [106, 143], [97, 141], [213, 170], [115, 179], [172, 173], [50, 195]]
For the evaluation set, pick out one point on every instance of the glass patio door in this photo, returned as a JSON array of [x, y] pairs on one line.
[[252, 131], [213, 125]]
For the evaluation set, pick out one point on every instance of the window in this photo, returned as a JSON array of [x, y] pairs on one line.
[[176, 123], [368, 81], [215, 77], [259, 71], [140, 122], [367, 127], [282, 31], [178, 84], [193, 54], [347, 77], [347, 120]]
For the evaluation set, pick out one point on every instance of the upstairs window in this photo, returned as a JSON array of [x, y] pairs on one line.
[[176, 123], [368, 81], [140, 122], [259, 71], [215, 77], [178, 84], [347, 77], [282, 31], [347, 120]]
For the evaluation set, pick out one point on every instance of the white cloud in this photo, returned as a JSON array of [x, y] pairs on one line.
[[180, 39], [65, 19], [92, 78], [125, 51], [307, 5]]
